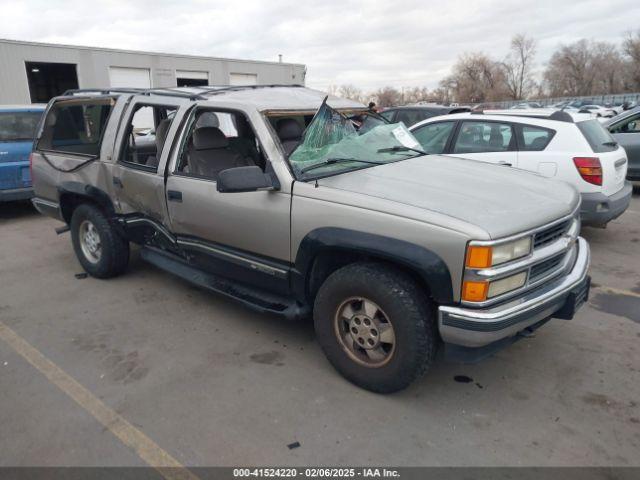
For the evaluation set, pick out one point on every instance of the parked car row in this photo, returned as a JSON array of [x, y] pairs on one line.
[[280, 199]]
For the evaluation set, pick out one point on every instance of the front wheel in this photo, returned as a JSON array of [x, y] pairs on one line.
[[375, 326], [101, 250]]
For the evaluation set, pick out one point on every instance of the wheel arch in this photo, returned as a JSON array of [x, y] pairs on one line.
[[72, 194], [324, 250]]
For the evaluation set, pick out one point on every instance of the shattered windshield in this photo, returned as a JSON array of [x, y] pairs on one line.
[[331, 144]]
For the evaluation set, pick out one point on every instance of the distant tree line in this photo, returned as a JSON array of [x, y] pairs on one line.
[[582, 68]]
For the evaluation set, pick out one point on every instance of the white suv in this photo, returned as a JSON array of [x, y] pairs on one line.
[[581, 153]]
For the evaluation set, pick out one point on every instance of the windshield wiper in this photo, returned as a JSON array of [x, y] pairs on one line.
[[331, 161], [398, 148], [610, 144]]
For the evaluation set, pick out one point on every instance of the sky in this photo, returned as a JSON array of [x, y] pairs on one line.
[[369, 44]]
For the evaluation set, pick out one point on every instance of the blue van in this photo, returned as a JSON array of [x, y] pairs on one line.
[[18, 125]]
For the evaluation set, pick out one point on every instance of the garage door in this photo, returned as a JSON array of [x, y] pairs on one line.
[[191, 78], [243, 79], [122, 77]]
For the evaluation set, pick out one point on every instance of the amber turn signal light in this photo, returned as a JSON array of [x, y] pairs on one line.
[[478, 257], [475, 291]]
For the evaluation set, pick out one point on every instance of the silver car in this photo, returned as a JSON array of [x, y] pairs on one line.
[[301, 205]]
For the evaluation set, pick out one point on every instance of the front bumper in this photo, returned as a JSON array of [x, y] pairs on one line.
[[479, 327], [15, 194], [597, 209]]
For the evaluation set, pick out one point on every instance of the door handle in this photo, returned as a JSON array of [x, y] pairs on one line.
[[117, 182], [174, 196], [506, 164]]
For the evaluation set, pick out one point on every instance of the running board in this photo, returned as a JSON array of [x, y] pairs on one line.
[[252, 297]]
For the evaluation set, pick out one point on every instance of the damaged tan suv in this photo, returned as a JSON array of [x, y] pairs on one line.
[[302, 205]]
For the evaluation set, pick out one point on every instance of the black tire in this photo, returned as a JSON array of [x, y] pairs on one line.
[[114, 256], [409, 312]]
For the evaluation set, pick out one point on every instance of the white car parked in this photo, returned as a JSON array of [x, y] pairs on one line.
[[599, 110], [581, 153]]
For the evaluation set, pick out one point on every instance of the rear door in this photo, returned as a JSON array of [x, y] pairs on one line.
[[486, 140], [141, 146], [613, 157], [533, 154]]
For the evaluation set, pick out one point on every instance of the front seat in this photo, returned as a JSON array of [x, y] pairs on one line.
[[290, 133], [161, 135], [496, 140], [210, 153]]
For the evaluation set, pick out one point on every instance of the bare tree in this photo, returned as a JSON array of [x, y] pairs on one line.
[[570, 71], [387, 96], [631, 49], [608, 69], [518, 67], [585, 68], [475, 78], [351, 92]]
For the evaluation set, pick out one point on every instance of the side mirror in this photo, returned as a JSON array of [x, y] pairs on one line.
[[245, 179]]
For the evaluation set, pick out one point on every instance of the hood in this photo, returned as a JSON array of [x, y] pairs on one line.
[[500, 200]]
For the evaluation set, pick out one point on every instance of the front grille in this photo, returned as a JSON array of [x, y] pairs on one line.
[[544, 268], [551, 234]]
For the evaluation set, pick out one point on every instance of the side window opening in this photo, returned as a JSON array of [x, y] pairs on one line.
[[535, 139], [433, 137], [76, 126], [146, 133], [479, 137], [629, 125], [218, 140]]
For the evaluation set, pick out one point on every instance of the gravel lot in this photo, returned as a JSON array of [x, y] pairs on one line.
[[212, 383]]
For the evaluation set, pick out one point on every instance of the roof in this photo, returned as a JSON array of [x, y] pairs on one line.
[[530, 120], [262, 97], [142, 52], [280, 98], [427, 107], [621, 116], [34, 107]]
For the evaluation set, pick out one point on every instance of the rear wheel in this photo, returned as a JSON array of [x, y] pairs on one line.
[[101, 250], [375, 326]]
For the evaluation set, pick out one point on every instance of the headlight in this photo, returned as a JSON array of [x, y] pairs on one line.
[[504, 285], [479, 291], [480, 256]]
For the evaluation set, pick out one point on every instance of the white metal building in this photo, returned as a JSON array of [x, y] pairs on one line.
[[33, 72]]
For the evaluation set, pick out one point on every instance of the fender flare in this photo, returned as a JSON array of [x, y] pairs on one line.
[[89, 192], [425, 263]]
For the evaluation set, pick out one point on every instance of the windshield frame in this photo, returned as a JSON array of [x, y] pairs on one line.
[[348, 113]]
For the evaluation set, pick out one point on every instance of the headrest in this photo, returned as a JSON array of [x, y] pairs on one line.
[[207, 138], [208, 119], [51, 119], [289, 129]]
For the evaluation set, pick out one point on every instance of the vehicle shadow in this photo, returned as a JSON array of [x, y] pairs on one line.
[[16, 210]]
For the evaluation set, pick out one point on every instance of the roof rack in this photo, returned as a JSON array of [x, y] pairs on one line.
[[166, 92], [202, 92], [218, 89], [557, 115]]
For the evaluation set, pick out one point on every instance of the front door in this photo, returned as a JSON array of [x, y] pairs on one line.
[[244, 236], [488, 141]]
